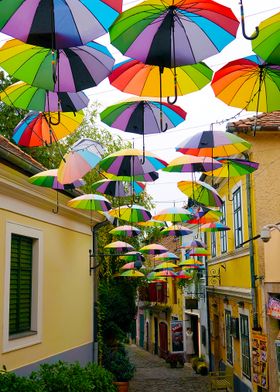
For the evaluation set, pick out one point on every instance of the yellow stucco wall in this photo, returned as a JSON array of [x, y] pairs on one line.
[[67, 291]]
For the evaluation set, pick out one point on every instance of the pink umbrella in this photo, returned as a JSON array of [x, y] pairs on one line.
[[119, 246], [153, 249]]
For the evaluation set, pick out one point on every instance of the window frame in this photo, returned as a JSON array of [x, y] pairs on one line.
[[237, 217], [228, 336], [34, 336], [245, 357], [213, 244], [223, 233]]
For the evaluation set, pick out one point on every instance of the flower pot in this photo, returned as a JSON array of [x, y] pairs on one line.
[[122, 386]]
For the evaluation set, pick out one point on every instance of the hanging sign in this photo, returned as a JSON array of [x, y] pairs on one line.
[[177, 336], [273, 307]]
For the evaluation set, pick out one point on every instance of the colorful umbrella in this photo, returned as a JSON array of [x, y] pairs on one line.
[[125, 231], [249, 83], [134, 77], [166, 274], [195, 244], [267, 43], [132, 214], [151, 223], [191, 163], [72, 69], [187, 262], [232, 167], [143, 117], [90, 202], [214, 226], [198, 252], [22, 95], [201, 192], [84, 155], [118, 188], [129, 162], [208, 217], [213, 144], [39, 129], [147, 177], [58, 24], [48, 179], [176, 230], [132, 274], [132, 256], [166, 256], [165, 265], [153, 249], [174, 32], [119, 246], [184, 275], [173, 214]]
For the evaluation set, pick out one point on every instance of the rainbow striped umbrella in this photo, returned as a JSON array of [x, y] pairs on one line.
[[173, 214], [132, 256], [165, 265], [234, 167], [132, 214], [132, 265], [195, 244], [147, 177], [191, 164], [151, 223], [166, 256], [201, 192], [118, 188], [184, 275], [125, 231], [153, 249], [132, 274], [90, 202], [187, 262], [214, 226], [119, 246], [48, 179], [166, 274], [176, 230], [198, 252]]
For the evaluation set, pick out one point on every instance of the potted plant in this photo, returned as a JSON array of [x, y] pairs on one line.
[[199, 365], [118, 363]]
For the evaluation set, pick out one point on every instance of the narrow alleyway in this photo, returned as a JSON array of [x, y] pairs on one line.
[[153, 374]]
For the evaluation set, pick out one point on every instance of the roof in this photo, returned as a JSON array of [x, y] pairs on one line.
[[263, 122]]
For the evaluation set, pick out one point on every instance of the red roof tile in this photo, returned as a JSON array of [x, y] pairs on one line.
[[265, 122]]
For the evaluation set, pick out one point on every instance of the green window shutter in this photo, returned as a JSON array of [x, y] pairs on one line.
[[20, 284]]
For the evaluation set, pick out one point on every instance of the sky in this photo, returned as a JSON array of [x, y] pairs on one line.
[[202, 108]]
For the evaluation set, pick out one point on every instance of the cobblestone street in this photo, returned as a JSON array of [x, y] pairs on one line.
[[153, 374]]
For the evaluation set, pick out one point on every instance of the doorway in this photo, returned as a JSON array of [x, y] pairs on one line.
[[163, 334], [156, 335]]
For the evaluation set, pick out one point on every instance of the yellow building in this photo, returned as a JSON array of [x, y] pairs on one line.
[[238, 284], [45, 290]]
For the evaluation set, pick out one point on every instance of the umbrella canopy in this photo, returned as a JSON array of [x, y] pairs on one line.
[[132, 256], [134, 77], [214, 226], [267, 43], [173, 214], [191, 163], [129, 162], [187, 262], [176, 230], [48, 179], [198, 252], [174, 32], [249, 83], [208, 217], [132, 274], [165, 265], [142, 116], [72, 69], [195, 244], [166, 274], [234, 167], [132, 214], [84, 155], [152, 223], [119, 246], [118, 188], [39, 129], [166, 256], [58, 24], [147, 177], [213, 144], [201, 192], [153, 249], [90, 202], [126, 231], [184, 275], [22, 95]]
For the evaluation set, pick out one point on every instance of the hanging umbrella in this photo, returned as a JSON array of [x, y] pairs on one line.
[[132, 256], [267, 43], [134, 77], [151, 223], [132, 214], [184, 275], [166, 256], [48, 179], [147, 177], [191, 163], [129, 162], [117, 188], [84, 155], [173, 214], [248, 83], [72, 69], [214, 226], [39, 129], [57, 24], [195, 244], [153, 249], [22, 95], [198, 252], [165, 265], [232, 167], [90, 202], [201, 192], [132, 274], [187, 262], [125, 231], [209, 217], [175, 33], [166, 274], [119, 246], [213, 144], [176, 230]]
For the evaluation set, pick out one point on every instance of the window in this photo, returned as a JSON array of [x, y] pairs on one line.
[[237, 218], [213, 244], [228, 336], [22, 315], [245, 346], [20, 284], [223, 234]]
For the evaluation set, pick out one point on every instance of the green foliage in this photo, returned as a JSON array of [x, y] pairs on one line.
[[116, 360], [10, 382]]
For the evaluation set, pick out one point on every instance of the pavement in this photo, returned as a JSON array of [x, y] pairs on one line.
[[153, 374]]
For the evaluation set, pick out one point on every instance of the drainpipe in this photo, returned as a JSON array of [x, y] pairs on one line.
[[211, 367]]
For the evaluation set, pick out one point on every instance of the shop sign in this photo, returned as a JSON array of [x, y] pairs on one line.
[[259, 358], [273, 307], [177, 338]]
